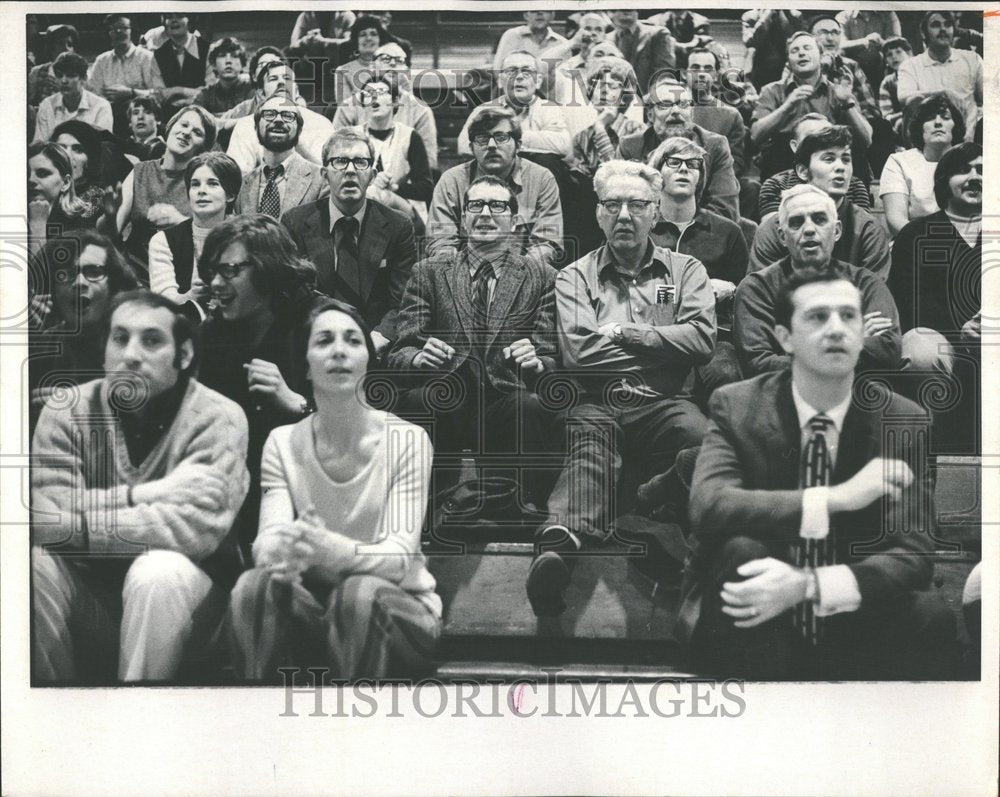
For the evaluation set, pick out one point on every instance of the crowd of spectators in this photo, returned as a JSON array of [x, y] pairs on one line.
[[223, 262]]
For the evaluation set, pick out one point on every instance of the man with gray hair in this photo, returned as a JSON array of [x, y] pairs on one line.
[[809, 228], [633, 319], [363, 251]]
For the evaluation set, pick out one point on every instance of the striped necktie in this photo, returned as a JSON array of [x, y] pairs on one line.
[[481, 293], [817, 471]]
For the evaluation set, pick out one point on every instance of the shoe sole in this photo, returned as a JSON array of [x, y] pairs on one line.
[[548, 579]]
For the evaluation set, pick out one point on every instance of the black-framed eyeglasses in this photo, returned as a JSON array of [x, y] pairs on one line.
[[270, 114], [511, 72], [229, 271], [495, 205], [393, 60], [483, 139], [341, 164], [614, 206], [368, 96], [66, 276], [669, 105], [692, 164]]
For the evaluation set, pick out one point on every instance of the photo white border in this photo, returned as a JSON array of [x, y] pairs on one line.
[[832, 739]]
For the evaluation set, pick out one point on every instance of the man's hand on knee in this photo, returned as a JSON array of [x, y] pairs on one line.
[[771, 588]]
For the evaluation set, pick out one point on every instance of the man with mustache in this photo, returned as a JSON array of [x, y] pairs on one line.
[[937, 284], [495, 137], [633, 319], [823, 159], [363, 251], [941, 67], [813, 515], [487, 318], [132, 536], [670, 112], [808, 229], [285, 179]]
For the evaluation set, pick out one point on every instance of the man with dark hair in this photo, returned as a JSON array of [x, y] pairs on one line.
[[937, 284], [227, 58], [284, 179], [134, 494], [495, 138], [808, 230], [813, 517], [823, 160], [485, 317], [73, 101], [765, 34], [145, 142], [670, 111], [941, 67], [42, 82], [807, 89], [276, 77], [894, 52], [719, 117], [363, 251], [184, 63], [771, 190]]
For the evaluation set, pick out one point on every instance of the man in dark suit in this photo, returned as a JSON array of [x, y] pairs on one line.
[[649, 48], [670, 112], [484, 320], [362, 250], [285, 179], [812, 512]]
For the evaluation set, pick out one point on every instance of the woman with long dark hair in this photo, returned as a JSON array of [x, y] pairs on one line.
[[213, 181], [339, 579]]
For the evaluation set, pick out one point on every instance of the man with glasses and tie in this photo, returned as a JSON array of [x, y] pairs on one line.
[[285, 179], [486, 318], [670, 112], [495, 137], [812, 510], [633, 320], [362, 250]]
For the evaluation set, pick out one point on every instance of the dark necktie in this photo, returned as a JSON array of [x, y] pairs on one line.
[[817, 471], [270, 199], [347, 252], [481, 293], [627, 41]]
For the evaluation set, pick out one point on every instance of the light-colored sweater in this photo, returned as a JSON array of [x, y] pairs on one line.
[[382, 506], [79, 486]]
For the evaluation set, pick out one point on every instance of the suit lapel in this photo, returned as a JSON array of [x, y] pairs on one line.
[[508, 286], [459, 283], [858, 443], [318, 233], [783, 425], [374, 237], [298, 183]]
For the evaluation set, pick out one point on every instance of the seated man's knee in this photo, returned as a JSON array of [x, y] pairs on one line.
[[740, 550], [926, 349], [251, 584], [156, 570], [355, 595]]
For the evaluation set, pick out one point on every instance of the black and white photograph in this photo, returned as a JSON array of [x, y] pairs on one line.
[[499, 398]]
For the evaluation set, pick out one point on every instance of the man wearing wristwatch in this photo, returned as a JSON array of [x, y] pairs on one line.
[[812, 515], [806, 89], [633, 320]]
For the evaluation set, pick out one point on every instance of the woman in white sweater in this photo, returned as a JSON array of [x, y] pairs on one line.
[[339, 579], [213, 182]]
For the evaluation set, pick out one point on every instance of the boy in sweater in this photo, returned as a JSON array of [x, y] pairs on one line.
[[135, 486]]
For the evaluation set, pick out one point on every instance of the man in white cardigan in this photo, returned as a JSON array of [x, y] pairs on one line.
[[134, 489]]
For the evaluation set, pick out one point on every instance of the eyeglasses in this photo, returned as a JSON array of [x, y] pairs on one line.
[[228, 271], [614, 206], [65, 276], [270, 114], [392, 60], [495, 205], [368, 96], [483, 139], [692, 164], [668, 105], [527, 71], [120, 29], [341, 164]]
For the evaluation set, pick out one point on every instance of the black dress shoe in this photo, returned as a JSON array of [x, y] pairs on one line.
[[550, 572]]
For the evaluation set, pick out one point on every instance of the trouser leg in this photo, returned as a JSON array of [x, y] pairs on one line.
[[163, 589], [375, 629]]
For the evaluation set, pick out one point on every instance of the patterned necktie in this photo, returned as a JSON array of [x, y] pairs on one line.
[[481, 293], [347, 251], [270, 199], [817, 471]]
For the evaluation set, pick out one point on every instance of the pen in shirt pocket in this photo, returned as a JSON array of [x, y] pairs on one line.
[[666, 294]]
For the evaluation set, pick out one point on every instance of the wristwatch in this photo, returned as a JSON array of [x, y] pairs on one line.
[[616, 332]]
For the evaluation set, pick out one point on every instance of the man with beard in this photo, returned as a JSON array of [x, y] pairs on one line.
[[276, 77], [135, 492], [363, 251], [941, 67], [284, 179], [669, 106], [808, 229]]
